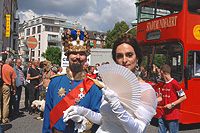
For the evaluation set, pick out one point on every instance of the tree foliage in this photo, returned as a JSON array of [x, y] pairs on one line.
[[53, 54], [119, 29], [159, 60]]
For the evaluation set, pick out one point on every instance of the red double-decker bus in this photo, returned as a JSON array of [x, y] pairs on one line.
[[169, 33]]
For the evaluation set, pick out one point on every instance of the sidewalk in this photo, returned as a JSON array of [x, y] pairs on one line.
[[24, 123]]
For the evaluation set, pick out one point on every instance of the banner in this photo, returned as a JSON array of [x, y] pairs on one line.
[[7, 34]]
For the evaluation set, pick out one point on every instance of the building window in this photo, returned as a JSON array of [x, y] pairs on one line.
[[37, 21], [39, 45], [15, 26], [14, 45], [102, 37], [28, 32], [33, 53], [98, 45], [39, 38], [47, 28], [32, 23], [52, 44], [49, 21], [39, 29], [33, 30]]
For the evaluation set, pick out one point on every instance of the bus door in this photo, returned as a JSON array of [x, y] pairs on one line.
[[192, 80]]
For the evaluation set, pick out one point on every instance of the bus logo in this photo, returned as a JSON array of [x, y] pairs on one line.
[[196, 32]]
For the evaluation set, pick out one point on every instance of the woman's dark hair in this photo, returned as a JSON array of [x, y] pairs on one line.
[[41, 64], [129, 39]]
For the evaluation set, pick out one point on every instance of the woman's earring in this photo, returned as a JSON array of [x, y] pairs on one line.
[[137, 66], [136, 69]]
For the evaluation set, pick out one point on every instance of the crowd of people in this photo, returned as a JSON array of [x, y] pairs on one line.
[[75, 101], [34, 78]]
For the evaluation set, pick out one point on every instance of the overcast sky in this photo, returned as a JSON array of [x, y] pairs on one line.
[[97, 15]]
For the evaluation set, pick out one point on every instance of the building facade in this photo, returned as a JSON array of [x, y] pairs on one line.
[[8, 43], [97, 39], [47, 31]]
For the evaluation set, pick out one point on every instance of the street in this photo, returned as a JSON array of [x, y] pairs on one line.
[[25, 123], [28, 124]]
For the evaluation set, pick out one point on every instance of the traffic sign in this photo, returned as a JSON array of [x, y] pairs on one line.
[[31, 42]]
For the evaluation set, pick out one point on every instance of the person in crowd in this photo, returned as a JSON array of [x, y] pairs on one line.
[[172, 96], [198, 10], [47, 73], [60, 69], [20, 82], [113, 118], [91, 72], [34, 77], [67, 69], [85, 67], [1, 62], [95, 68], [154, 75], [55, 69], [97, 72], [72, 87], [26, 101], [41, 73], [143, 72], [9, 75], [103, 63]]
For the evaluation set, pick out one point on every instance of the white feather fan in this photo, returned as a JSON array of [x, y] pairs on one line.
[[123, 82]]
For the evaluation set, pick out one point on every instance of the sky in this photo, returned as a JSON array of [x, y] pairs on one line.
[[95, 15]]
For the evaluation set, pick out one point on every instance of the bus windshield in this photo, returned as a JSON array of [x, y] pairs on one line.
[[151, 9], [156, 55], [194, 6]]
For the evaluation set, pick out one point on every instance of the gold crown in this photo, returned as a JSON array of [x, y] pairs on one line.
[[76, 41]]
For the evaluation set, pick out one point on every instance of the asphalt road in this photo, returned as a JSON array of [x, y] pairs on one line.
[[25, 123], [28, 124]]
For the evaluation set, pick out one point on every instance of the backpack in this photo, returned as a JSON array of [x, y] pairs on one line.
[[1, 79]]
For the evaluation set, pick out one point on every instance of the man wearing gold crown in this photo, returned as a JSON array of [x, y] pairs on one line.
[[71, 88]]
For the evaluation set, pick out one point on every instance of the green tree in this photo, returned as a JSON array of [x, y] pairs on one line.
[[119, 29], [53, 54], [159, 59]]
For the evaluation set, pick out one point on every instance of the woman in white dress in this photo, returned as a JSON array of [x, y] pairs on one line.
[[113, 117]]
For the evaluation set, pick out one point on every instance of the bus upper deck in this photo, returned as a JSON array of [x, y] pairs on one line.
[[168, 19]]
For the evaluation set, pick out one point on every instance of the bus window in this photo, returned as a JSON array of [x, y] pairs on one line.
[[151, 9], [194, 6], [170, 53], [194, 62]]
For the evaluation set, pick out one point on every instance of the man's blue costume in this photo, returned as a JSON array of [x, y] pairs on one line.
[[63, 85], [64, 90]]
